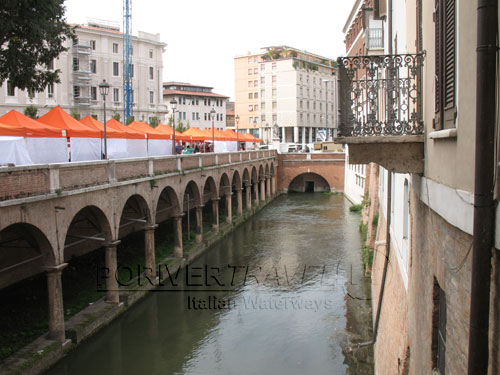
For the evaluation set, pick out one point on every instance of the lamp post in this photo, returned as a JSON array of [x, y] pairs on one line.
[[104, 90], [212, 115], [173, 105], [237, 118], [326, 107]]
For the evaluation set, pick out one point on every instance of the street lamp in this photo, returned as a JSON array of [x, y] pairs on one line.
[[212, 115], [326, 107], [237, 118], [173, 105], [104, 90]]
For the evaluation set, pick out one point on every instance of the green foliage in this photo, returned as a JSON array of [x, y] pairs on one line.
[[94, 116], [116, 116], [75, 114], [356, 208], [31, 111], [375, 220], [154, 122], [32, 35], [367, 255], [363, 228], [130, 120], [181, 128]]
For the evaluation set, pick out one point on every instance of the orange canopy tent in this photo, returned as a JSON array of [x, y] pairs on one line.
[[195, 134], [57, 118], [131, 133], [168, 130], [218, 135], [152, 133], [31, 128], [110, 133], [250, 138], [11, 130], [232, 134]]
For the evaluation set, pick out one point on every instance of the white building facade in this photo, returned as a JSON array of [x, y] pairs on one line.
[[194, 105], [97, 55]]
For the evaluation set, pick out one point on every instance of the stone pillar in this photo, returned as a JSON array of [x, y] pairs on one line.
[[178, 253], [268, 186], [56, 309], [248, 195], [112, 293], [262, 189], [229, 208], [149, 242], [273, 185], [311, 140], [256, 193], [303, 137], [283, 134], [215, 214], [239, 201], [295, 134], [198, 230]]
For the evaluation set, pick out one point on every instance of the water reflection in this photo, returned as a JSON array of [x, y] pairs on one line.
[[285, 294]]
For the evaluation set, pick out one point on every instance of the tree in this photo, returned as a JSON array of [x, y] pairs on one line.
[[75, 114], [130, 120], [32, 35], [154, 122], [116, 116], [31, 111], [181, 128]]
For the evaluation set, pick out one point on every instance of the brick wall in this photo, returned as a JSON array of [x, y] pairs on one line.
[[83, 176], [24, 183], [131, 170], [164, 166]]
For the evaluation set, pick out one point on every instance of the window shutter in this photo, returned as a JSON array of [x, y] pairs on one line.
[[437, 60], [449, 55]]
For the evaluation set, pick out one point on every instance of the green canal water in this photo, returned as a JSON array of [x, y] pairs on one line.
[[283, 294]]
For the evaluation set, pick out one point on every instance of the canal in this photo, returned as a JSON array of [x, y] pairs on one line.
[[284, 293]]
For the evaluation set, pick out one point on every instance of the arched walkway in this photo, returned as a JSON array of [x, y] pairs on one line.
[[211, 204], [309, 183]]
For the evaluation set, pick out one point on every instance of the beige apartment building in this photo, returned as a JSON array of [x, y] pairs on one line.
[[194, 105], [98, 55], [287, 93]]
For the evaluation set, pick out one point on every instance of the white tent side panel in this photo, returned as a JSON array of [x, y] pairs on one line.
[[117, 148], [47, 150], [14, 150], [159, 147], [137, 148], [249, 146], [231, 146], [85, 149], [220, 146]]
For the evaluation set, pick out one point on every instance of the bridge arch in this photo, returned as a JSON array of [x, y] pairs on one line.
[[236, 181], [167, 204], [309, 183], [135, 214], [224, 185], [255, 184], [191, 196], [209, 189]]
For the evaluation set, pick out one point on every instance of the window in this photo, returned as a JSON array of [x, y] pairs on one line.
[[151, 97], [274, 79], [11, 90], [255, 95], [205, 116], [275, 117], [256, 71], [262, 80], [263, 106], [262, 66], [250, 108], [250, 72], [93, 66], [256, 119], [444, 28], [255, 59], [197, 115], [250, 95], [263, 118], [250, 120], [76, 91], [249, 60], [274, 65], [256, 83], [184, 115], [93, 93], [275, 92], [438, 348], [151, 73], [76, 64], [256, 107], [131, 70], [50, 65], [150, 53], [115, 47], [262, 93], [314, 105], [275, 105], [116, 69], [50, 90], [250, 83], [92, 44], [116, 95], [301, 103], [194, 116]]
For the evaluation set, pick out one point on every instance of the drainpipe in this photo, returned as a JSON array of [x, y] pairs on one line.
[[388, 213], [484, 212]]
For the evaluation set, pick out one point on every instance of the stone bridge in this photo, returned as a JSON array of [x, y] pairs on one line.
[[315, 172], [51, 213]]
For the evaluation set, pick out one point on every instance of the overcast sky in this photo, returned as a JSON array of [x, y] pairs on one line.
[[203, 37]]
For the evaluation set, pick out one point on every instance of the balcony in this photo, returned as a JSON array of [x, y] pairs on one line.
[[381, 111]]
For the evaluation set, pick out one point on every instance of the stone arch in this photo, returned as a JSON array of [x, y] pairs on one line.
[[33, 252], [88, 230], [193, 192], [236, 180], [224, 185], [167, 205], [209, 190], [255, 184], [266, 171], [135, 214], [271, 169], [309, 182], [246, 177], [261, 172]]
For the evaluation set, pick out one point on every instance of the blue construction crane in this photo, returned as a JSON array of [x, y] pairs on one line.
[[127, 63]]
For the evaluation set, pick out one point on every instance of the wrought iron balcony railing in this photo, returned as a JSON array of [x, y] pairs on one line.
[[380, 95]]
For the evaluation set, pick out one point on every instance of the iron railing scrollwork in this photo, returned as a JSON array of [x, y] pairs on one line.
[[380, 95]]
